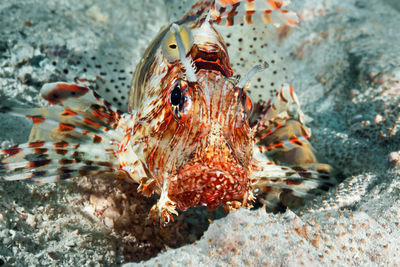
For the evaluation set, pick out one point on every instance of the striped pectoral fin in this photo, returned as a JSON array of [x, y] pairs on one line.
[[79, 115], [57, 123], [80, 99], [231, 12], [42, 161], [286, 141], [279, 187], [75, 137], [280, 130]]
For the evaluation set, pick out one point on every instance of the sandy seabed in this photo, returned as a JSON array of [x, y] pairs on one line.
[[343, 61]]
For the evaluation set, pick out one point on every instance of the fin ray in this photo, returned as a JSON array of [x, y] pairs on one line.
[[29, 163], [279, 187], [79, 114], [74, 137], [231, 12], [280, 129]]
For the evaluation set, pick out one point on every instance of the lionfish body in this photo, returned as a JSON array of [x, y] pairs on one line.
[[189, 134]]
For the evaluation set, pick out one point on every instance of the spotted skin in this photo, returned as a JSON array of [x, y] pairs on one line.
[[191, 133]]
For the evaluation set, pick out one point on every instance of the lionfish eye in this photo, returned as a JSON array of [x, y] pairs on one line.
[[169, 44], [176, 95]]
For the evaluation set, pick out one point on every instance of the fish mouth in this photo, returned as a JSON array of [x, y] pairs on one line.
[[208, 185], [211, 57]]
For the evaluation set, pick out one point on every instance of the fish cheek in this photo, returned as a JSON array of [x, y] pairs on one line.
[[238, 135], [161, 138]]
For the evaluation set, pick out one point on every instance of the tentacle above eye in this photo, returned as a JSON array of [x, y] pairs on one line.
[[178, 40]]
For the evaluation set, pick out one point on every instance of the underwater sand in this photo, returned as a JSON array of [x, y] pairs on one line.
[[343, 62]]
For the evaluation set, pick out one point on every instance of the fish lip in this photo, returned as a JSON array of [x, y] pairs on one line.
[[211, 57], [208, 185]]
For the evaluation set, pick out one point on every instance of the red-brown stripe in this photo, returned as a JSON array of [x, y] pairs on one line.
[[278, 145], [38, 173], [266, 134], [291, 91], [299, 169], [275, 4], [64, 91], [66, 161], [293, 182], [61, 151], [232, 14], [296, 141], [266, 16], [68, 112], [61, 144], [36, 144], [98, 112], [267, 189], [37, 119], [12, 151], [96, 95], [249, 16], [282, 97], [65, 170], [39, 163], [97, 139], [40, 151], [91, 122], [64, 127]]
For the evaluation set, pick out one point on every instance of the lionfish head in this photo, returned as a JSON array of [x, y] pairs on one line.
[[201, 142]]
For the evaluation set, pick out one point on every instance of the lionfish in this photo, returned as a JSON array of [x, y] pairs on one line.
[[191, 134]]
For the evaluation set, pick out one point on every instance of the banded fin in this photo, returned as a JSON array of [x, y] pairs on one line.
[[231, 12], [287, 142], [58, 123], [197, 11], [279, 187], [74, 137], [79, 113], [79, 98], [42, 162], [281, 132]]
